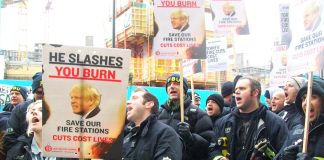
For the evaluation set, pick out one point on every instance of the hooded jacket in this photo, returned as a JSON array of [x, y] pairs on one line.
[[200, 127], [269, 126], [316, 129]]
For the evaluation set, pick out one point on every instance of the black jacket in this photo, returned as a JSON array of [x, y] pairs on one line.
[[8, 107], [153, 140], [316, 129], [4, 117], [21, 150], [200, 127], [17, 124], [214, 119], [269, 126], [290, 115]]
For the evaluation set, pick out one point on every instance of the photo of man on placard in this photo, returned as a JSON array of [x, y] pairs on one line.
[[228, 9], [85, 100], [312, 16], [179, 20]]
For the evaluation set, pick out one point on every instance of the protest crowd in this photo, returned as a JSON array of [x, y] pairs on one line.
[[155, 130]]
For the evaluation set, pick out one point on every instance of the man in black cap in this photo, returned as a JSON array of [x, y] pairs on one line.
[[37, 86], [214, 107], [18, 94], [196, 100], [196, 130], [227, 93], [17, 123]]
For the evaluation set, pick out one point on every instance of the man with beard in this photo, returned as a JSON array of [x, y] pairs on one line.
[[250, 128]]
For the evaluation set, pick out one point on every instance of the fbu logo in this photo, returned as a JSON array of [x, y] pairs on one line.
[[48, 148]]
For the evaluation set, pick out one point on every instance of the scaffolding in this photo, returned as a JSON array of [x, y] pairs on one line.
[[137, 36]]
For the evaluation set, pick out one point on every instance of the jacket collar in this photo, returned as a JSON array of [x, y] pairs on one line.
[[260, 112], [187, 102], [144, 127], [146, 124]]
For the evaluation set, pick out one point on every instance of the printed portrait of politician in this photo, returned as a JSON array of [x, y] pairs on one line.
[[228, 9], [179, 20], [85, 100], [312, 16]]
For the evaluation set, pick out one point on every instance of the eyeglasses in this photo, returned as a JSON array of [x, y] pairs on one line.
[[39, 92]]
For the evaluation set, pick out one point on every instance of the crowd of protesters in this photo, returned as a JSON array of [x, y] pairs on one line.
[[235, 124]]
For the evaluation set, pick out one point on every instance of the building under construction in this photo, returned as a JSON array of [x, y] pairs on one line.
[[137, 34], [134, 31]]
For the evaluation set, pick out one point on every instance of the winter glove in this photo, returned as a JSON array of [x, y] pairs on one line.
[[183, 129], [303, 156], [290, 152], [259, 149]]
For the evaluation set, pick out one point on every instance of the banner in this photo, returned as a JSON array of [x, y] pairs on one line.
[[86, 92], [230, 15], [217, 56], [307, 46], [180, 29]]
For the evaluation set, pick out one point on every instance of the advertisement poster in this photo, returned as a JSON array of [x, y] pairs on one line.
[[306, 51], [217, 57], [180, 29], [230, 16], [85, 90]]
